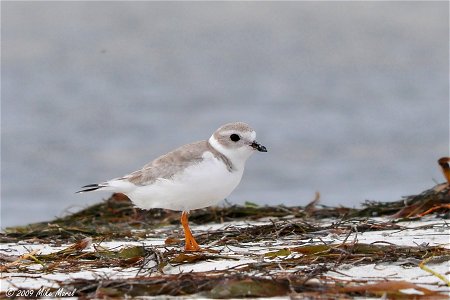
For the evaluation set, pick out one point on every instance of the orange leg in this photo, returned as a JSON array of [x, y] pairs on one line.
[[444, 162], [191, 244]]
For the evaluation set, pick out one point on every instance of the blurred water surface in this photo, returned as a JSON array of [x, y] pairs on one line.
[[350, 98]]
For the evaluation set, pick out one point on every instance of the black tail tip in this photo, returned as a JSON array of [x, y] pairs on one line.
[[89, 188]]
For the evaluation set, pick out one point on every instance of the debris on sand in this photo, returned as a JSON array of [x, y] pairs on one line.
[[395, 250]]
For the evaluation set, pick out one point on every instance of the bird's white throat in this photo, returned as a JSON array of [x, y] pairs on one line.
[[237, 156]]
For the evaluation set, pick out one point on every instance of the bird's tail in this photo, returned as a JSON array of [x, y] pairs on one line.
[[118, 185], [91, 187]]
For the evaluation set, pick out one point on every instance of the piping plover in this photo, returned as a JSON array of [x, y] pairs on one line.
[[193, 176]]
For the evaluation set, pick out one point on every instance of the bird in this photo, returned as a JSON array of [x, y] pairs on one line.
[[193, 176]]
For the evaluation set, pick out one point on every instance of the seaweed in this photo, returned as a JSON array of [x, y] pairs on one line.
[[116, 218], [271, 251]]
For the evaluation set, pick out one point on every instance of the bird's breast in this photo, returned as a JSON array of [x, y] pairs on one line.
[[197, 186]]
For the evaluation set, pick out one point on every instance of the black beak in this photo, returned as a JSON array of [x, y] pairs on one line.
[[258, 147]]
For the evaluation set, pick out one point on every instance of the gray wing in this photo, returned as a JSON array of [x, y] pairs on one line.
[[167, 165]]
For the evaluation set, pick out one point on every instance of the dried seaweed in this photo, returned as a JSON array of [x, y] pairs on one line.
[[298, 268], [116, 218], [261, 278]]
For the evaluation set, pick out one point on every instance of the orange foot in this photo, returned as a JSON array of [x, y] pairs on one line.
[[191, 244]]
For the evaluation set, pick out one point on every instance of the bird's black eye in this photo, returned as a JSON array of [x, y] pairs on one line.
[[234, 137]]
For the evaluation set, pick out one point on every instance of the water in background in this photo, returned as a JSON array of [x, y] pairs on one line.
[[350, 98]]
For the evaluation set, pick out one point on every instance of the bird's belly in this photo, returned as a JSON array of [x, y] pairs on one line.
[[199, 186]]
